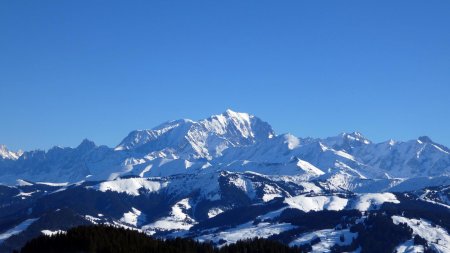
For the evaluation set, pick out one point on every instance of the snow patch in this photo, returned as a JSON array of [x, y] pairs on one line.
[[309, 168], [246, 231], [370, 201], [437, 237], [178, 219], [16, 230], [214, 212], [92, 219], [328, 238], [409, 247], [131, 186], [54, 184], [21, 182], [51, 233], [316, 203], [133, 217]]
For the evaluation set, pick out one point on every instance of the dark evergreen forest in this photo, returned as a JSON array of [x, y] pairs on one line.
[[107, 239]]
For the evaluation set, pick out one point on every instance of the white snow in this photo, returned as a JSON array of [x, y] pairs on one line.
[[207, 138], [362, 202], [328, 238], [270, 192], [92, 219], [145, 170], [409, 247], [186, 146], [5, 153], [369, 201], [272, 215], [16, 230], [21, 182], [53, 184], [310, 187], [25, 194], [131, 186], [440, 149], [178, 219], [133, 217], [246, 231], [309, 168], [51, 233], [316, 203], [437, 237], [214, 212], [270, 196], [240, 183], [345, 155]]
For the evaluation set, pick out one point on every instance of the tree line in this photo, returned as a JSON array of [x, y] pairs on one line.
[[108, 239]]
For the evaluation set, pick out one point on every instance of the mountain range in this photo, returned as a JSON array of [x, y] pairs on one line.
[[191, 178]]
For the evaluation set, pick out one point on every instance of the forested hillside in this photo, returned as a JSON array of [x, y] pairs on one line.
[[107, 239]]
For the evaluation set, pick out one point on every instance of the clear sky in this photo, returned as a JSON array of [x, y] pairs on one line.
[[98, 69]]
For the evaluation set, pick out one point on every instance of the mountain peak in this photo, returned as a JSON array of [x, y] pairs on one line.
[[391, 142], [239, 116], [232, 113], [425, 139], [5, 153], [346, 141], [229, 111], [356, 136], [86, 144], [248, 125], [229, 141], [205, 138]]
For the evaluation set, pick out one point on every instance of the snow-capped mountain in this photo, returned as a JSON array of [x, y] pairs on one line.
[[225, 178], [206, 138], [236, 142], [6, 154]]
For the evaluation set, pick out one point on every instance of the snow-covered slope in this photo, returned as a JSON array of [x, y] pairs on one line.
[[5, 153], [178, 219], [131, 186], [436, 236], [327, 239], [16, 230], [206, 138], [245, 231], [317, 203], [217, 206], [237, 142], [221, 179]]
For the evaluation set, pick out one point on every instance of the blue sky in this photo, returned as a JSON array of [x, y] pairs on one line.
[[98, 69]]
